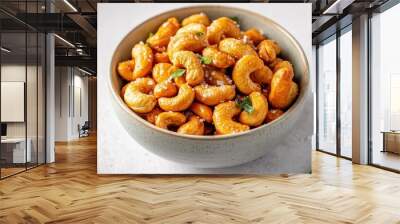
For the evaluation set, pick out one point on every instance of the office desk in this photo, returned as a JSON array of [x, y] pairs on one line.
[[391, 141], [16, 147]]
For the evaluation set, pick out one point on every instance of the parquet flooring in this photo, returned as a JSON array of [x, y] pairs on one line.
[[70, 191]]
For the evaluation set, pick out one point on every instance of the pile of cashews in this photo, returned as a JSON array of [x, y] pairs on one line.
[[190, 77]]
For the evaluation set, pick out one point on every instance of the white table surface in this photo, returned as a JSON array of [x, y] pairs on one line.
[[12, 140], [118, 153]]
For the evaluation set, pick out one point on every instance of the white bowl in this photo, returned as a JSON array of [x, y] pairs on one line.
[[211, 151]]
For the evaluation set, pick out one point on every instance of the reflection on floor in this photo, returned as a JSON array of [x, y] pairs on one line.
[[10, 169], [70, 191], [387, 159]]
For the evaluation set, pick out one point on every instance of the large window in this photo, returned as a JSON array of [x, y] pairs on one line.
[[334, 58], [385, 89], [346, 93], [327, 96]]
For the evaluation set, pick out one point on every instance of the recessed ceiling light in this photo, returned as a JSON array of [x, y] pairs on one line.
[[5, 50], [64, 40], [84, 71], [337, 7], [70, 5]]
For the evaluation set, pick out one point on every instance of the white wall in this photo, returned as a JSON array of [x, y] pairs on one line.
[[71, 102]]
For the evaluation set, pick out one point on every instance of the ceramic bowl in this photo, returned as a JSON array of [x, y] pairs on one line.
[[211, 151]]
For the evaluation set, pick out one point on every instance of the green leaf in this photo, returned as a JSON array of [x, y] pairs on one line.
[[199, 34], [245, 104], [235, 18], [205, 60], [177, 73]]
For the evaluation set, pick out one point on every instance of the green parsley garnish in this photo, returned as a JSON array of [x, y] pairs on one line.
[[235, 18], [177, 73], [245, 104], [205, 60], [199, 34]]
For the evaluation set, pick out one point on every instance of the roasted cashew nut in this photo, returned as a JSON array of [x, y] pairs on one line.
[[283, 64], [165, 89], [196, 28], [194, 70], [179, 81], [189, 41], [122, 93], [236, 48], [136, 95], [221, 28], [222, 117], [143, 56], [180, 102], [125, 69], [260, 110], [254, 35], [197, 18], [268, 50], [161, 57], [273, 114], [202, 111], [283, 89], [274, 62], [294, 91], [166, 119], [241, 73], [213, 95], [151, 116], [159, 41], [262, 76], [218, 59], [195, 126], [162, 71], [216, 77]]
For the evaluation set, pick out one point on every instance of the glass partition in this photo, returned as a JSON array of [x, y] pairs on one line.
[[13, 103], [23, 90]]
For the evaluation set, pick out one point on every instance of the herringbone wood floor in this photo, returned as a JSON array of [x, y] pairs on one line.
[[69, 191]]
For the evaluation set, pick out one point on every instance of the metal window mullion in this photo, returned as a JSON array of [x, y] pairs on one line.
[[338, 98], [37, 92], [369, 91], [26, 88], [317, 96]]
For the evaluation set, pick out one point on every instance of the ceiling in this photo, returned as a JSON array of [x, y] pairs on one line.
[[75, 21]]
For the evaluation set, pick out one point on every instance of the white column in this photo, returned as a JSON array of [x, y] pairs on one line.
[[50, 99], [360, 90]]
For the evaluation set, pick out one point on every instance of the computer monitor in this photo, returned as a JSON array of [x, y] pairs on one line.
[[3, 129]]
